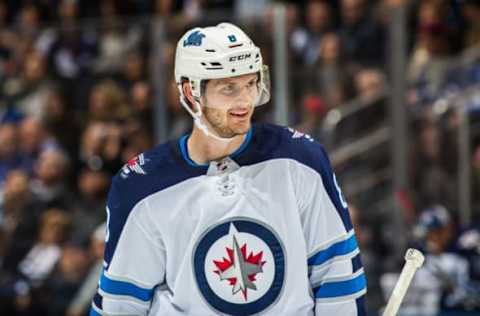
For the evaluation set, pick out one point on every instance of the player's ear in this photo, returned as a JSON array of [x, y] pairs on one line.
[[187, 92]]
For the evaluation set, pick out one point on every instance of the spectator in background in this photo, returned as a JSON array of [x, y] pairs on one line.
[[3, 14], [430, 60], [476, 177], [68, 12], [468, 244], [8, 113], [33, 141], [250, 9], [446, 269], [61, 122], [138, 138], [7, 42], [69, 49], [24, 30], [370, 84], [133, 70], [67, 277], [370, 87], [28, 24], [318, 16], [101, 145], [50, 179], [142, 105], [115, 40], [112, 147], [29, 294], [443, 279], [314, 110], [362, 38], [9, 158], [81, 302], [31, 100], [89, 210], [108, 102], [471, 13], [330, 74], [4, 46], [430, 180], [20, 218], [294, 33]]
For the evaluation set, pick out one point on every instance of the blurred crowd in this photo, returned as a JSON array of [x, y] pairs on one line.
[[78, 93]]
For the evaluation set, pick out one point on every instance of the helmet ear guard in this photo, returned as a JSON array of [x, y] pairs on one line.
[[264, 86]]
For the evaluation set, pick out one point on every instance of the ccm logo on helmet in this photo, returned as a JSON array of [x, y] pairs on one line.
[[240, 57]]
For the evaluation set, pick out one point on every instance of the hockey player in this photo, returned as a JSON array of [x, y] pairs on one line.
[[235, 218]]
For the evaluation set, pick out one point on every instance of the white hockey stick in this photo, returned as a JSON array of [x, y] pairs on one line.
[[414, 260]]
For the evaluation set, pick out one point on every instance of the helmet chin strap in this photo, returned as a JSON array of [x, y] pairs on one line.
[[200, 123]]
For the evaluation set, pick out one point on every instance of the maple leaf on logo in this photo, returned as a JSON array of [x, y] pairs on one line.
[[239, 269]]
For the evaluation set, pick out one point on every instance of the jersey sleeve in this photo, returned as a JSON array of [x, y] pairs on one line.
[[336, 274], [134, 258]]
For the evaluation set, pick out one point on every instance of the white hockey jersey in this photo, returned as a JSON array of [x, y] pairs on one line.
[[265, 231]]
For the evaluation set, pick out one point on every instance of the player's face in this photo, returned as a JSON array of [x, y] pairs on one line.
[[228, 104]]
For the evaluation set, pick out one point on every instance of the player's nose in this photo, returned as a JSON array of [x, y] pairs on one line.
[[244, 100]]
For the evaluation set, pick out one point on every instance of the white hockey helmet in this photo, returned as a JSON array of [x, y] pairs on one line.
[[217, 52]]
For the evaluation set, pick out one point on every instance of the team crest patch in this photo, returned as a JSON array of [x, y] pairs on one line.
[[194, 39], [134, 165], [239, 267], [297, 134]]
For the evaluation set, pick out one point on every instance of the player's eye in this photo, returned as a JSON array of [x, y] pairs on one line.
[[252, 85], [227, 90]]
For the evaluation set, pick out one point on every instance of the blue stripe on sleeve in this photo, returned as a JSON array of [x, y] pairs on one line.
[[341, 288], [338, 249], [93, 312], [124, 288]]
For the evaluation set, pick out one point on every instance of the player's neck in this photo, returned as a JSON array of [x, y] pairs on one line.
[[203, 149]]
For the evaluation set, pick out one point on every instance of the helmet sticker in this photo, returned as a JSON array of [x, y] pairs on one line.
[[194, 39]]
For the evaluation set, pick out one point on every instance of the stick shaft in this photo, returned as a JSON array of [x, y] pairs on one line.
[[400, 289]]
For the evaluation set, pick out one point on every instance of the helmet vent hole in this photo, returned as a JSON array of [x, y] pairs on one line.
[[213, 66], [233, 69], [210, 50], [236, 45]]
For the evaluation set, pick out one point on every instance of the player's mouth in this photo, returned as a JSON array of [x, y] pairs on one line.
[[239, 113]]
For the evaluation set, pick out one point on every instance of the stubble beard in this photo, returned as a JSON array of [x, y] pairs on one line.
[[220, 125]]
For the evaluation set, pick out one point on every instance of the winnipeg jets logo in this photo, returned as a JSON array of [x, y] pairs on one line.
[[194, 39], [238, 269], [239, 266], [297, 134], [134, 165]]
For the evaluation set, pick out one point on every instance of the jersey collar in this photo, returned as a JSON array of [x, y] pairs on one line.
[[182, 143]]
